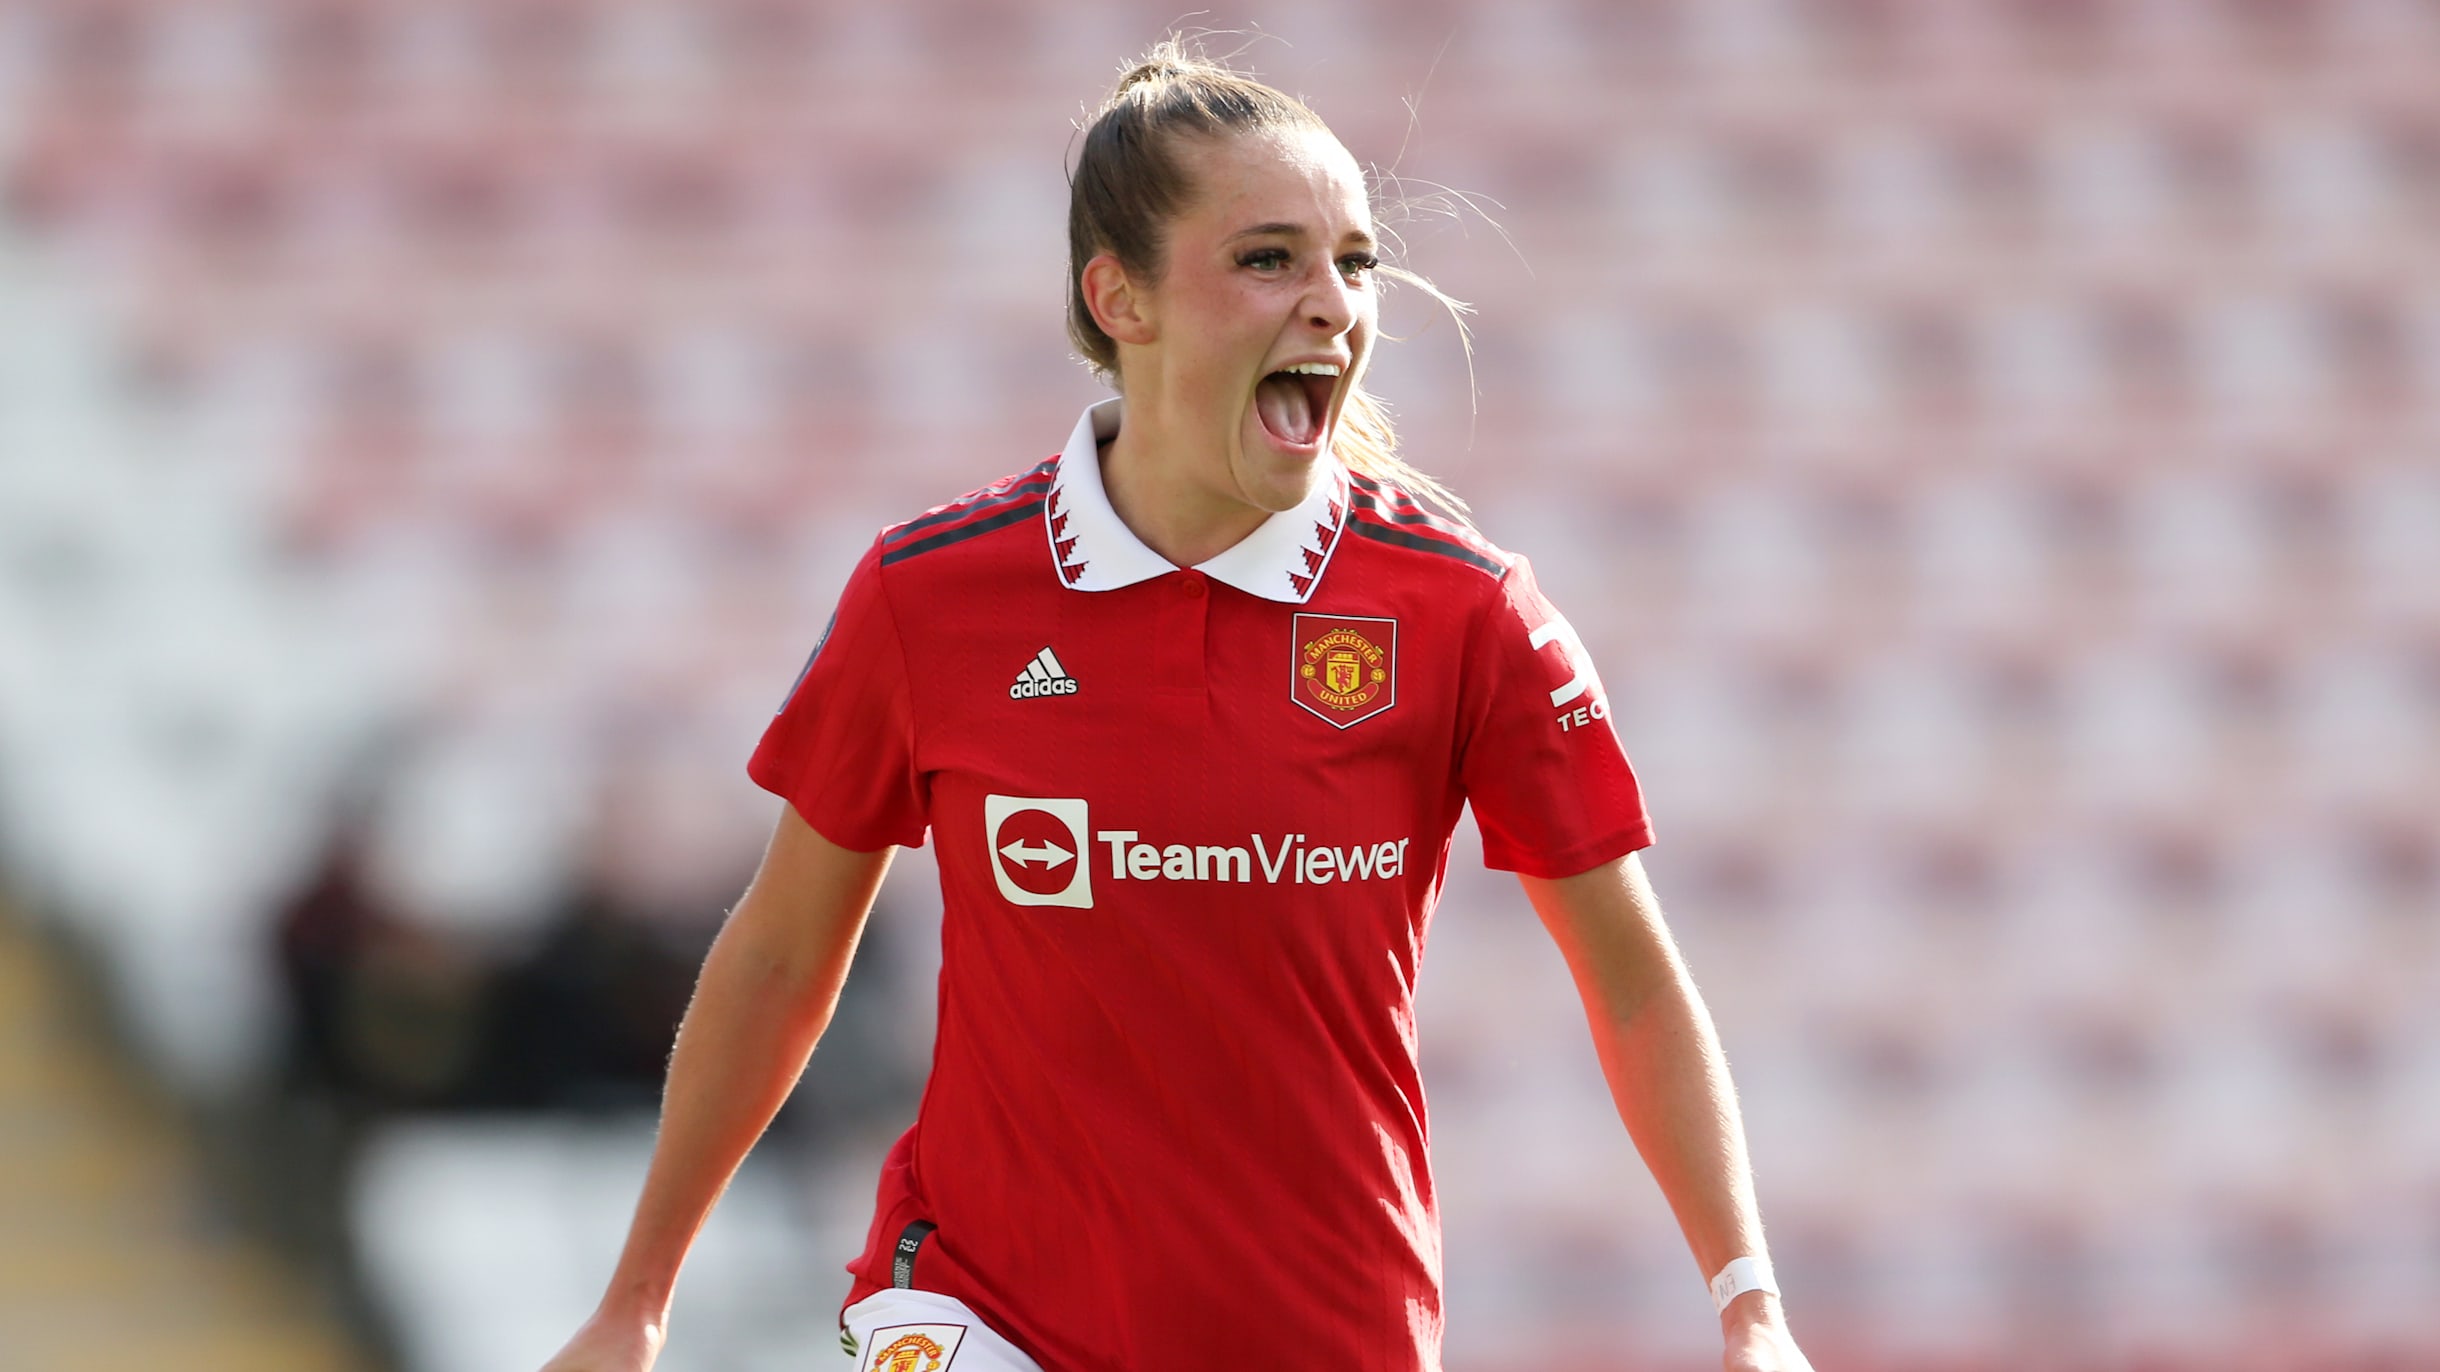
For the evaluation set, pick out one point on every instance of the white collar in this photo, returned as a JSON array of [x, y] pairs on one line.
[[1094, 549]]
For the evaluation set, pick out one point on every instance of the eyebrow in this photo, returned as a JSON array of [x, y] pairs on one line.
[[1286, 230]]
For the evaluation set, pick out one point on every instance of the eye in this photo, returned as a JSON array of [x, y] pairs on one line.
[[1264, 259], [1356, 264]]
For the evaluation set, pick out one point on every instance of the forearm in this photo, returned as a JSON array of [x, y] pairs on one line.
[[742, 1045], [1671, 1084], [1662, 1059]]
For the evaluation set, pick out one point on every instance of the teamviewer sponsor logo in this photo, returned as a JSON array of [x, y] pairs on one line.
[[1292, 860], [1039, 855], [1038, 850]]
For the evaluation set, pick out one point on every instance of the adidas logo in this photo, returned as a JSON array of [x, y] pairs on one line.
[[1043, 677]]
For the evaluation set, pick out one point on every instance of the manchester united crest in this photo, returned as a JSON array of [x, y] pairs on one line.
[[916, 1352], [1346, 666]]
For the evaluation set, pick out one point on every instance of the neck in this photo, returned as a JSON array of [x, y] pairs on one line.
[[1153, 491]]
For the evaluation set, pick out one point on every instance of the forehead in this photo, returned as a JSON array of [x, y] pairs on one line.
[[1289, 176]]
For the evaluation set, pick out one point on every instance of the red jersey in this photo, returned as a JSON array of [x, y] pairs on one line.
[[1192, 823]]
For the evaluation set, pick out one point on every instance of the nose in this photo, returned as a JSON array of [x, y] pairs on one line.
[[1330, 302]]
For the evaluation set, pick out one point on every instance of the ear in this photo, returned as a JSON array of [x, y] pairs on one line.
[[1115, 302]]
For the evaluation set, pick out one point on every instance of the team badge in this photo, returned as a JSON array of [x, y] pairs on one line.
[[1346, 666], [914, 1348]]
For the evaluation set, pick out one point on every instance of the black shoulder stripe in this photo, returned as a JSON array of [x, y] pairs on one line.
[[1380, 533], [1366, 499], [1370, 500], [962, 532], [1398, 516], [1024, 490]]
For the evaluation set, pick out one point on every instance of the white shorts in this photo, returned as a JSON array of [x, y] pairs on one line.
[[921, 1331]]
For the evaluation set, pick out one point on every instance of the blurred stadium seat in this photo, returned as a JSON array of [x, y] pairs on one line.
[[1988, 443]]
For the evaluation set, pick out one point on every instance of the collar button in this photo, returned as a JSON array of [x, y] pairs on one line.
[[1191, 585]]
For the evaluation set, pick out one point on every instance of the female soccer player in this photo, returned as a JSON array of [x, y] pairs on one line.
[[1191, 709]]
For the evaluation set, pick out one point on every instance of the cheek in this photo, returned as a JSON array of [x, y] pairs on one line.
[[1360, 338], [1216, 300], [1231, 336]]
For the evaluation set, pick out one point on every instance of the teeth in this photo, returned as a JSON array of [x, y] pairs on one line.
[[1314, 368]]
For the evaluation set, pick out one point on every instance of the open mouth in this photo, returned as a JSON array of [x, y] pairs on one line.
[[1294, 402]]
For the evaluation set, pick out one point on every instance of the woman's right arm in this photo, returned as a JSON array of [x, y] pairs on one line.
[[766, 992]]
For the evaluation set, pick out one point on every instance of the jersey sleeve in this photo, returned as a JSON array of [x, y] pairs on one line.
[[1552, 790], [842, 748]]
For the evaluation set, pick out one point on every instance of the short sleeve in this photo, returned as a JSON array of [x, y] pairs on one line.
[[842, 748], [1551, 789]]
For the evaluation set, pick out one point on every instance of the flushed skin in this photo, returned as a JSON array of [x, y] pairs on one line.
[[1273, 265]]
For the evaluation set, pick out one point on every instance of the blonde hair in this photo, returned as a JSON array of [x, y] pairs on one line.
[[1127, 185]]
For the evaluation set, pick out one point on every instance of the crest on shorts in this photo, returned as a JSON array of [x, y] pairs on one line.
[[1345, 667], [914, 1347]]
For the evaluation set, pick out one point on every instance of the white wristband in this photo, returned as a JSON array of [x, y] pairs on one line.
[[1740, 1276]]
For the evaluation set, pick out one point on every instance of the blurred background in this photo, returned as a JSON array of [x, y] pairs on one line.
[[1989, 446]]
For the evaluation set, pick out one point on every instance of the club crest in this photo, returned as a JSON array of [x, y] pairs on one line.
[[915, 1348], [1346, 667]]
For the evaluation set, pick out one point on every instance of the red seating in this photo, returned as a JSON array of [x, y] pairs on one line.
[[1985, 441]]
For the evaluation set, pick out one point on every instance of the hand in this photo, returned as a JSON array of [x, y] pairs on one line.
[[1757, 1337], [608, 1343]]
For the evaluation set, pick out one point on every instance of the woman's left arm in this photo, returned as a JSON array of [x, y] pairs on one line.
[[1670, 1081]]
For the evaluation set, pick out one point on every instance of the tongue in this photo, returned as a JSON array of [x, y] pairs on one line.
[[1286, 409]]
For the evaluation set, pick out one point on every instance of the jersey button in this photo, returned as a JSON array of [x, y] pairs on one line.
[[1191, 585]]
